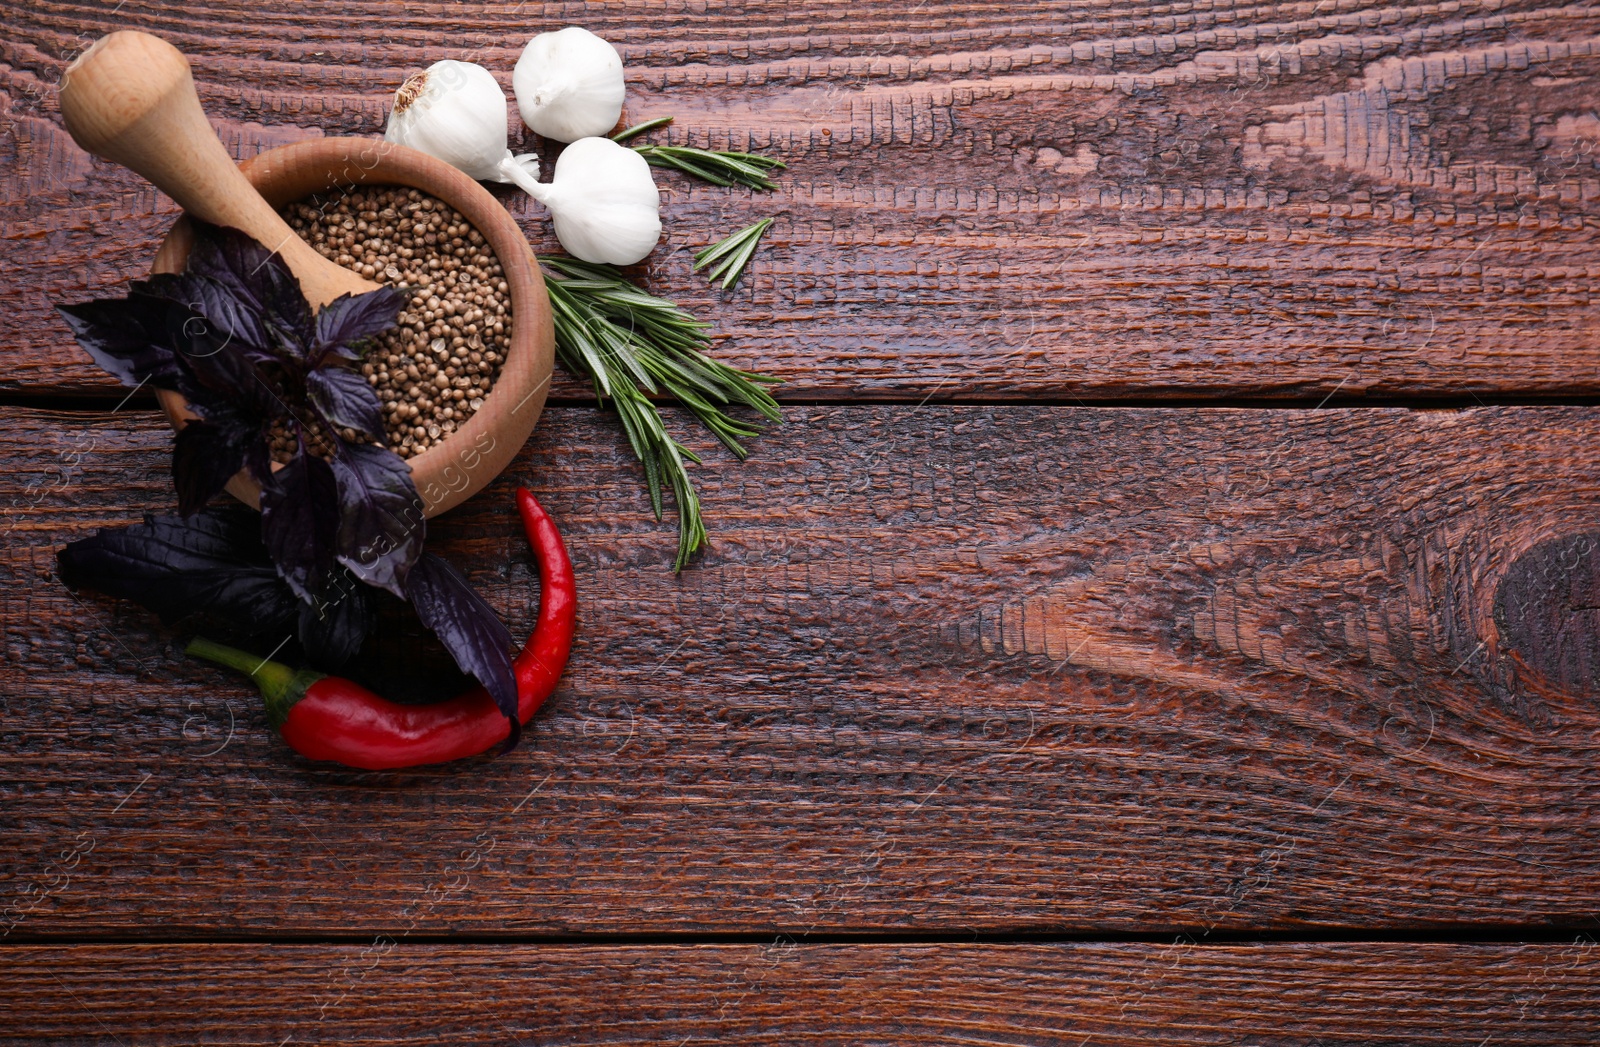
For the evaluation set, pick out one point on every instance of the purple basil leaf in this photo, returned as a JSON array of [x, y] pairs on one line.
[[253, 400], [240, 416], [257, 277], [345, 399], [332, 629], [212, 563], [349, 319], [127, 337], [207, 454], [468, 627], [212, 360], [381, 526], [300, 522], [258, 459], [214, 368], [172, 287], [239, 319]]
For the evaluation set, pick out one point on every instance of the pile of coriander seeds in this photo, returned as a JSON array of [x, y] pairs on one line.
[[433, 370]]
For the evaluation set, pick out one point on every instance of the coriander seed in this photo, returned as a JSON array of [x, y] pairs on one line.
[[443, 342]]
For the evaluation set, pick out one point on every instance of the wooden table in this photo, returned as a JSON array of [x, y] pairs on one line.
[[1168, 613]]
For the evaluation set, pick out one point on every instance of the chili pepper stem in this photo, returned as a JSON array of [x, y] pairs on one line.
[[280, 685]]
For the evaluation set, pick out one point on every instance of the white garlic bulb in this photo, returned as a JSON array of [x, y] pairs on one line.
[[602, 200], [456, 112], [569, 84]]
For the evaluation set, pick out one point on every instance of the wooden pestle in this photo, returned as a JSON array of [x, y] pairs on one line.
[[130, 99]]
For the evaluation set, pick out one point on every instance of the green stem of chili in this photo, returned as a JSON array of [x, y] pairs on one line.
[[281, 686]]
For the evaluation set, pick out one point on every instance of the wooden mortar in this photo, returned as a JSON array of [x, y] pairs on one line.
[[131, 99]]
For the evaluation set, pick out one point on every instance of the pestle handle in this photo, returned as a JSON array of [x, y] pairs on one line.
[[130, 99]]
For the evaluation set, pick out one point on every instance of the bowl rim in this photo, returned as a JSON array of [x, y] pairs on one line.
[[465, 462]]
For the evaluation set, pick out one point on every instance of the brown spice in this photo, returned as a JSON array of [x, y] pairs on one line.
[[433, 370]]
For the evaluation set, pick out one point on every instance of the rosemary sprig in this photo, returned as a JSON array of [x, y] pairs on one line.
[[629, 344], [718, 168], [729, 257], [715, 166]]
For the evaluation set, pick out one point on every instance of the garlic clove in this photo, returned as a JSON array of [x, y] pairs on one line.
[[569, 85], [455, 111]]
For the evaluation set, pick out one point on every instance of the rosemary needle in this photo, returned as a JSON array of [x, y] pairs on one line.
[[729, 257], [630, 344], [719, 167], [639, 129]]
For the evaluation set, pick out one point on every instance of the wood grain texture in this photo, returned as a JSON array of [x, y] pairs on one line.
[[1003, 668], [996, 200], [388, 992]]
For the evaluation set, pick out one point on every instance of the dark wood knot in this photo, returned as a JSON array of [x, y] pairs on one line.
[[1548, 610]]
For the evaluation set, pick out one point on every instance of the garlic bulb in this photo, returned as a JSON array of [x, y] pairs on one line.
[[456, 112], [602, 200], [569, 85]]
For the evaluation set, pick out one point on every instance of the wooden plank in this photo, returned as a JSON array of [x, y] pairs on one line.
[[1282, 199], [388, 992], [998, 668]]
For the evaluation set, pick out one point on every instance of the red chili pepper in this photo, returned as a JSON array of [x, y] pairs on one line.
[[330, 718]]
